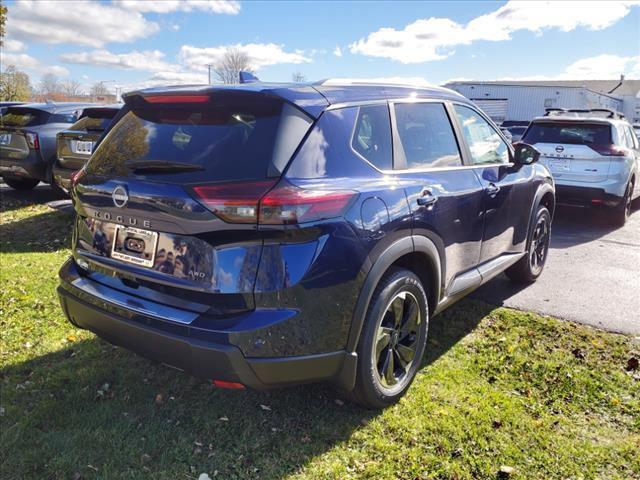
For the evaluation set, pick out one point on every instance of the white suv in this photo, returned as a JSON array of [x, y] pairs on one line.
[[593, 155]]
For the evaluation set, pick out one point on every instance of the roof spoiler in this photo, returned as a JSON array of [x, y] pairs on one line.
[[247, 77], [577, 112]]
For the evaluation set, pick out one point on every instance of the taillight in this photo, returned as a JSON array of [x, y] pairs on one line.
[[234, 202], [32, 140], [609, 150], [76, 177], [288, 204], [249, 202]]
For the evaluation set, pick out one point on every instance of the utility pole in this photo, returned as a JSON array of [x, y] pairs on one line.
[[209, 68]]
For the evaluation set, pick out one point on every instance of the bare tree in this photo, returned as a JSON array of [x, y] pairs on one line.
[[298, 77], [99, 90], [49, 84], [14, 85], [228, 68], [71, 88]]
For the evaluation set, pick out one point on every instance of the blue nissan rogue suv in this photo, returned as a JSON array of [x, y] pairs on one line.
[[264, 235]]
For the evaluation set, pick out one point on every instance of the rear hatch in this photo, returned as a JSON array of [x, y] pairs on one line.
[[145, 199], [16, 138], [576, 151], [75, 145]]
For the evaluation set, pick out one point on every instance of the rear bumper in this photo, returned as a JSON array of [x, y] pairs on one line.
[[62, 177], [585, 196], [30, 167], [208, 359]]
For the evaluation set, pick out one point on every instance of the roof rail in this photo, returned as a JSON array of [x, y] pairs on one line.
[[577, 112]]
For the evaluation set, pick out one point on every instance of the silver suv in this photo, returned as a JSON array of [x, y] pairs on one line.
[[593, 155]]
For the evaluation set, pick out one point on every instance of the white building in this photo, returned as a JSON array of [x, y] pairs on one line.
[[524, 100]]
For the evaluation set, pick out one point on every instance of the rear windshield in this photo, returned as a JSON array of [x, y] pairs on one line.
[[23, 117], [225, 142], [576, 133], [96, 120]]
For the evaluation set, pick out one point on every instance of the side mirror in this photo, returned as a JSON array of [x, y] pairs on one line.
[[525, 154]]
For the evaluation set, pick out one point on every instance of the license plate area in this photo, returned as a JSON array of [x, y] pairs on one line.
[[559, 164], [134, 245], [82, 147]]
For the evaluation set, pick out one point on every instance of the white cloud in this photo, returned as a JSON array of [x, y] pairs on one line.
[[81, 22], [23, 61], [13, 45], [152, 60], [228, 7], [434, 38], [260, 55], [337, 52]]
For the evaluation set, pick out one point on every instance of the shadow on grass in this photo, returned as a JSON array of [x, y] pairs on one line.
[[15, 199], [45, 232], [94, 404]]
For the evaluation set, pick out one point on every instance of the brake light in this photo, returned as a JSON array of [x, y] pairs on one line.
[[609, 150], [32, 140], [76, 177], [249, 202], [234, 202], [177, 98], [288, 204]]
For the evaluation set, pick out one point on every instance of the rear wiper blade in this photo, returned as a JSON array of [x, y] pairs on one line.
[[151, 166]]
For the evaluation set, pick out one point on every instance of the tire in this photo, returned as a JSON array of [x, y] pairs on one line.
[[398, 319], [530, 267], [22, 183], [622, 211]]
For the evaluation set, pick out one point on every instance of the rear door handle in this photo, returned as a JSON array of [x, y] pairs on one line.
[[492, 189], [427, 199]]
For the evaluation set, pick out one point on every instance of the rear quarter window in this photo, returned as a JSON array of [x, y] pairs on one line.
[[22, 117]]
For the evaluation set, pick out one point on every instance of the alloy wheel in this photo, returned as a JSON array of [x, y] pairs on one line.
[[539, 245], [397, 340]]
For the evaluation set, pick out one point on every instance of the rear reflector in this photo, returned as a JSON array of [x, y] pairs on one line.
[[249, 202], [76, 177], [597, 201], [223, 384], [177, 98], [609, 150]]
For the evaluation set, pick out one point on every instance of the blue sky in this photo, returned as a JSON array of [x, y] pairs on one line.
[[141, 43]]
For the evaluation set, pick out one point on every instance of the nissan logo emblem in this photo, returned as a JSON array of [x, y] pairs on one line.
[[559, 149], [120, 196]]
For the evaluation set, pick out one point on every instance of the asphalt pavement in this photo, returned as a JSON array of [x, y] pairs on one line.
[[592, 275]]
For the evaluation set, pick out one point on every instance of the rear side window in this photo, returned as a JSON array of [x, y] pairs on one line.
[[485, 144], [372, 135], [568, 132], [232, 140], [23, 117], [427, 135]]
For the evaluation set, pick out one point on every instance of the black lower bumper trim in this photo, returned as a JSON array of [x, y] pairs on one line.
[[571, 195], [202, 359]]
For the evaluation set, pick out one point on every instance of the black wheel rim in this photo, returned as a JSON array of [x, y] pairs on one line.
[[627, 206], [396, 342], [539, 245]]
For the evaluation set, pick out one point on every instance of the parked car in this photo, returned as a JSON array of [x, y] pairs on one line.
[[593, 155], [266, 235], [75, 145], [5, 105], [516, 132], [28, 141]]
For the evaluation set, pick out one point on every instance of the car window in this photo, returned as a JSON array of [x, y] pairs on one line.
[[577, 133], [631, 140], [427, 135], [63, 117], [484, 142], [634, 138], [372, 135]]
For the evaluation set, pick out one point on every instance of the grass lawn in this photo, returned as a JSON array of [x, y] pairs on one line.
[[498, 388]]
